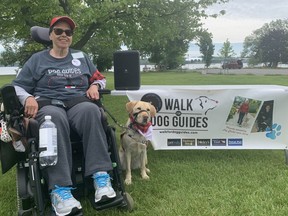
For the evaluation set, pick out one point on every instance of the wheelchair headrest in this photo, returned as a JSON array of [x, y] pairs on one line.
[[41, 35]]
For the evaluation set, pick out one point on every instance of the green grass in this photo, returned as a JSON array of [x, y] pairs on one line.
[[193, 182]]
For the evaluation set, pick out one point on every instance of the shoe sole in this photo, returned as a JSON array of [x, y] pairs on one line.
[[74, 211], [105, 197]]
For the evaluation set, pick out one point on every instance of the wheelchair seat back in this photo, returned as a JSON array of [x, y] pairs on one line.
[[41, 35]]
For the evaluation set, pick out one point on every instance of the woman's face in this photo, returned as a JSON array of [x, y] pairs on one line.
[[61, 41]]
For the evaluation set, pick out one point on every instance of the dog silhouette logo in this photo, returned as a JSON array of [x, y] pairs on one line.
[[204, 103]]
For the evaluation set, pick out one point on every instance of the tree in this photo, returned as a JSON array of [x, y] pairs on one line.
[[269, 44], [206, 48], [169, 56], [146, 25], [227, 50]]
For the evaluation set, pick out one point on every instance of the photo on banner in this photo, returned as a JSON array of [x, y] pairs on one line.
[[243, 112]]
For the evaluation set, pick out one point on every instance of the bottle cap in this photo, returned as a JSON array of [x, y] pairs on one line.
[[47, 117]]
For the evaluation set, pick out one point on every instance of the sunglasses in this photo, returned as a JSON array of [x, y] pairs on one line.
[[59, 31]]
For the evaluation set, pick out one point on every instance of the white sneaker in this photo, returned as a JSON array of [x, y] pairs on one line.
[[63, 201], [102, 185]]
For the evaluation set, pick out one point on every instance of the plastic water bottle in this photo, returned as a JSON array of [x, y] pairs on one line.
[[48, 140]]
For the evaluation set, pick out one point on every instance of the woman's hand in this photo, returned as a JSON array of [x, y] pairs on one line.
[[31, 107], [92, 93]]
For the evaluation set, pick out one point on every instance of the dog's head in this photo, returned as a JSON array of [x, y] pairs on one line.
[[140, 111]]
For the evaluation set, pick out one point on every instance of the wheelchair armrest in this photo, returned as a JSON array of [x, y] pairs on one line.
[[104, 91]]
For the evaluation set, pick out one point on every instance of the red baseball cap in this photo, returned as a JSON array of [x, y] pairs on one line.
[[66, 19]]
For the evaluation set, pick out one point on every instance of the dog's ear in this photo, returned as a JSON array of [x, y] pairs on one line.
[[152, 110], [130, 105]]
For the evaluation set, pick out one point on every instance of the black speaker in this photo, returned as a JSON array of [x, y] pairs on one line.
[[126, 70]]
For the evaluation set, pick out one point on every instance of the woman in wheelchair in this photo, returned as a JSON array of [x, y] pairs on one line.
[[70, 77]]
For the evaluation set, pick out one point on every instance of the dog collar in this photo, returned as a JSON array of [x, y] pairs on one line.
[[142, 128]]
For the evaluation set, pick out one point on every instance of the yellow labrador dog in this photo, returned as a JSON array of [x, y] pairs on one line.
[[134, 140]]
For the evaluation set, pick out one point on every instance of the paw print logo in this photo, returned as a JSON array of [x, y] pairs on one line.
[[274, 131]]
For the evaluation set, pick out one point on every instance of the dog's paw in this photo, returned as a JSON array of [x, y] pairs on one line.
[[147, 170], [128, 181], [144, 176]]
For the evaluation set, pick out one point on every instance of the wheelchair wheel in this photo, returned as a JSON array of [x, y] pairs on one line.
[[24, 196], [129, 202]]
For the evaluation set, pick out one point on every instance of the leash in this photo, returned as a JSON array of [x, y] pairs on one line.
[[113, 118], [130, 128]]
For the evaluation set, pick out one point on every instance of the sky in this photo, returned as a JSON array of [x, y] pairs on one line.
[[243, 17]]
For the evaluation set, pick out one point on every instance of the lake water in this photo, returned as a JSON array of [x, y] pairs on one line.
[[202, 66], [8, 70], [188, 66], [14, 70]]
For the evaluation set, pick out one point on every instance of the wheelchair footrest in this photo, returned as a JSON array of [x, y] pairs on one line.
[[25, 212], [107, 203]]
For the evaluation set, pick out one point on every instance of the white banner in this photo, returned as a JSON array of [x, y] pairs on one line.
[[217, 117]]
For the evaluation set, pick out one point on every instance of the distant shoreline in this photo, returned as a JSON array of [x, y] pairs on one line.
[[193, 50]]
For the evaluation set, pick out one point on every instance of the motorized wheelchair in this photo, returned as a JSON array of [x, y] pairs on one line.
[[32, 193]]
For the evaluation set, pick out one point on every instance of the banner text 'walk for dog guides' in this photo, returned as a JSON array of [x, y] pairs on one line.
[[217, 117]]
